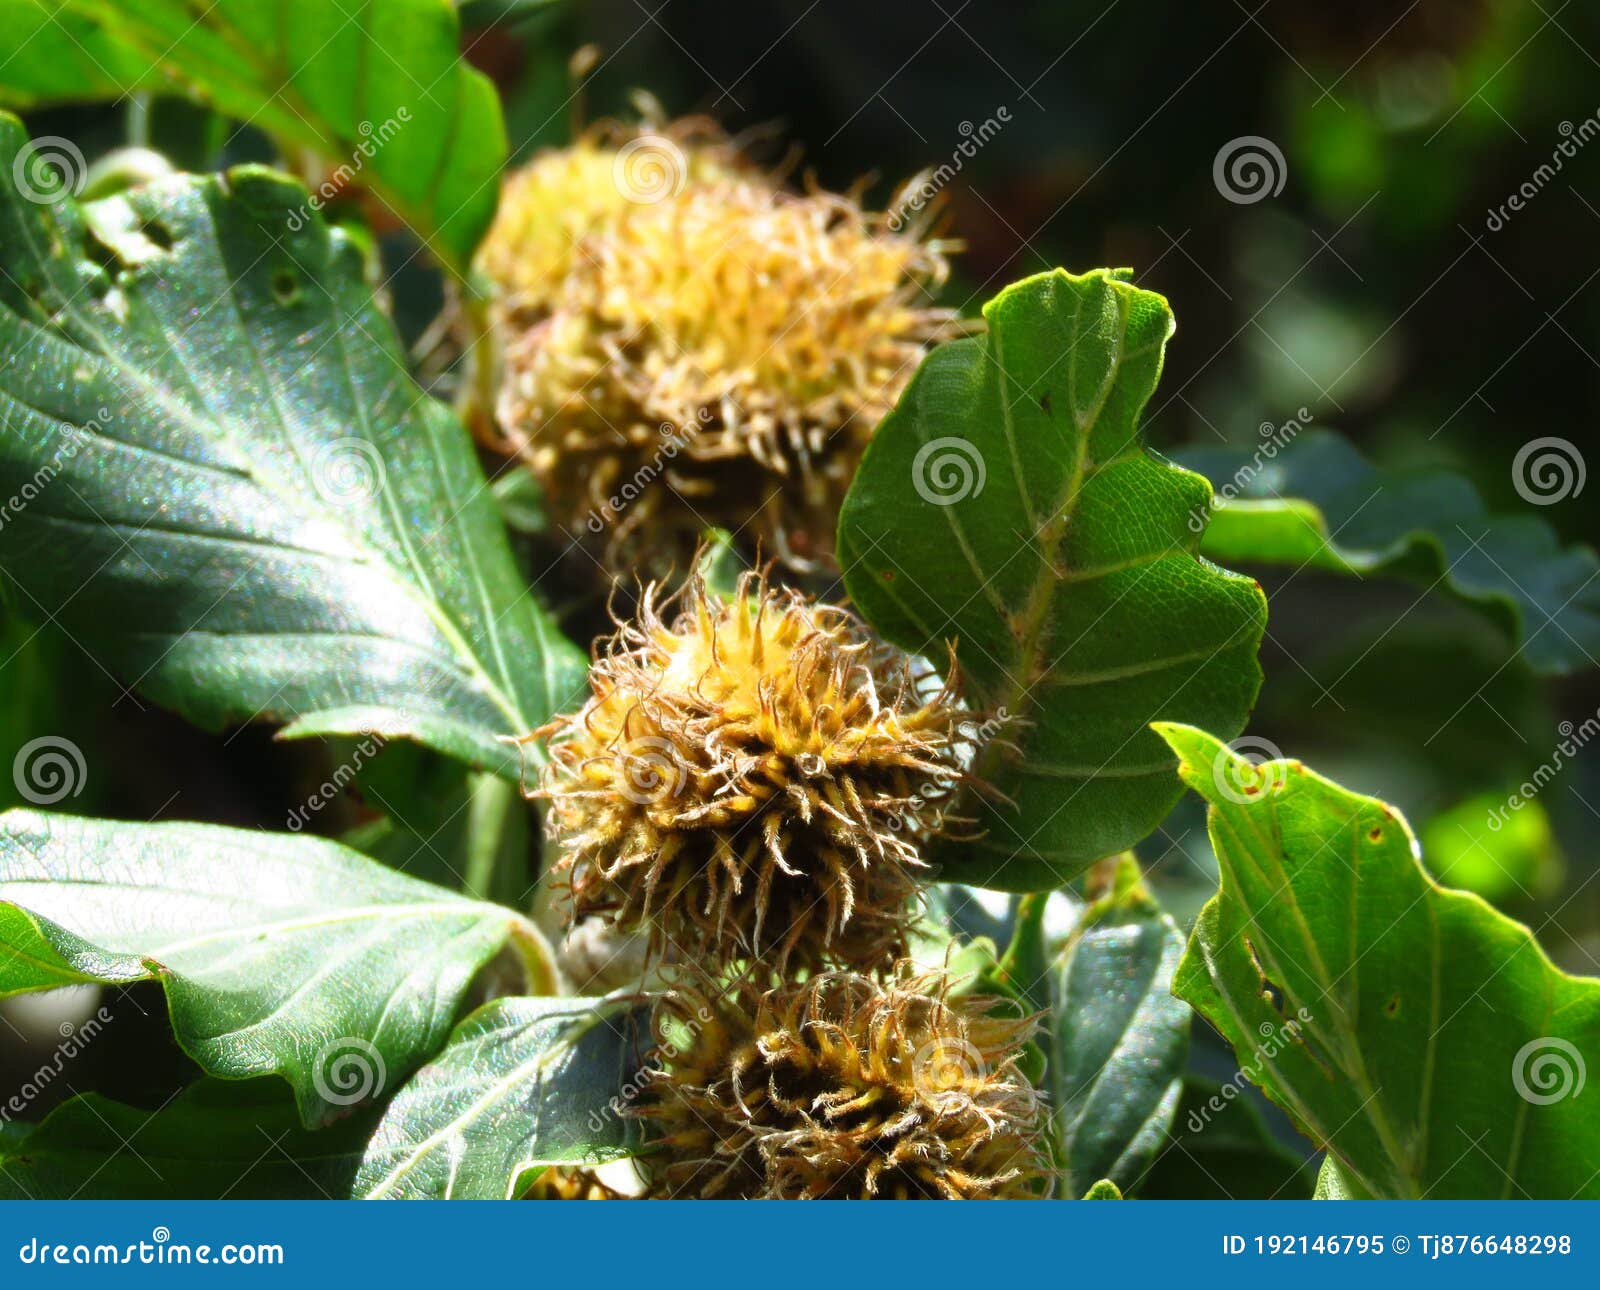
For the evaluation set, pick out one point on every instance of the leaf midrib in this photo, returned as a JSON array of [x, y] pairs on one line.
[[493, 1094], [287, 497]]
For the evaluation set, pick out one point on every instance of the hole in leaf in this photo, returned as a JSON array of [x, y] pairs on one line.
[[158, 233], [1392, 1008], [285, 287]]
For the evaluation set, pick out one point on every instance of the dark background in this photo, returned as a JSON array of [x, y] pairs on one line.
[[1370, 291]]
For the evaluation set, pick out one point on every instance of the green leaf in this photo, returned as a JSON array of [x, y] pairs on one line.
[[51, 54], [1356, 991], [1007, 505], [1334, 1183], [524, 1083], [1317, 502], [234, 492], [216, 1140], [280, 955], [380, 90], [1119, 1040], [1105, 1189]]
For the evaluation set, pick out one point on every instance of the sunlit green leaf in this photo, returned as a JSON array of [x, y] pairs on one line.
[[1008, 507], [1356, 992], [522, 1083], [280, 955]]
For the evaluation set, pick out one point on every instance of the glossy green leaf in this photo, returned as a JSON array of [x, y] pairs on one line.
[[1007, 506], [378, 90], [1356, 991], [216, 1140], [1317, 502], [232, 491], [1118, 1039], [1335, 1183], [523, 1083], [280, 955]]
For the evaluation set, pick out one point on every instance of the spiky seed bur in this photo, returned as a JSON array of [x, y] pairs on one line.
[[717, 356], [751, 781], [564, 196], [842, 1088]]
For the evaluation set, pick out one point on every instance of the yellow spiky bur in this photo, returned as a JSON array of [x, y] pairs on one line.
[[751, 781], [842, 1088], [703, 348]]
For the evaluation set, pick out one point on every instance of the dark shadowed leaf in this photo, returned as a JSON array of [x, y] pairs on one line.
[[1119, 1039], [216, 1140], [1320, 504]]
